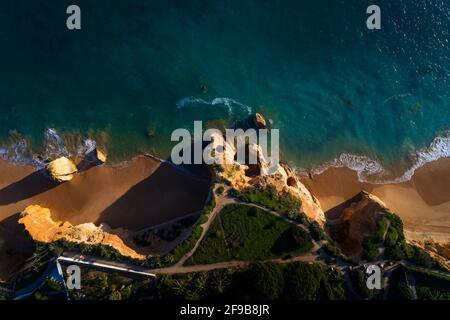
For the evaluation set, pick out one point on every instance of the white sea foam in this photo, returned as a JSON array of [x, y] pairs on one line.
[[226, 102], [439, 148], [370, 170], [18, 149], [86, 147], [54, 145], [363, 165]]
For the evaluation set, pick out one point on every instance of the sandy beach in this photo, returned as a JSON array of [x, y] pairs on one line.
[[423, 203], [145, 192], [138, 194]]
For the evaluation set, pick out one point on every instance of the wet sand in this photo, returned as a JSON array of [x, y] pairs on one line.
[[423, 203]]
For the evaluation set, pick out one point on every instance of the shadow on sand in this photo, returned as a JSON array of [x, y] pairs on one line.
[[32, 185], [14, 235], [166, 194]]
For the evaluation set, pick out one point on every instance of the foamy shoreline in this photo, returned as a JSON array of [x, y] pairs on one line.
[[423, 202], [372, 171], [368, 170]]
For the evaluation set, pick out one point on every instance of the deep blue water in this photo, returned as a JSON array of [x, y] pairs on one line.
[[327, 82]]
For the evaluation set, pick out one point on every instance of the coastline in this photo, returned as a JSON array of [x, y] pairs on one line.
[[423, 202], [98, 194], [146, 191], [138, 194]]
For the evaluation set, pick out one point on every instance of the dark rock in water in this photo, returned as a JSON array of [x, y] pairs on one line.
[[151, 132], [259, 121], [96, 156], [254, 121], [91, 159]]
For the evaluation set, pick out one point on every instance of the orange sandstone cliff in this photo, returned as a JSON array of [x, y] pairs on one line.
[[41, 227]]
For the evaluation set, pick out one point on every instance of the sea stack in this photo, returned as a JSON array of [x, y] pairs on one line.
[[259, 121], [62, 169], [100, 156], [96, 156]]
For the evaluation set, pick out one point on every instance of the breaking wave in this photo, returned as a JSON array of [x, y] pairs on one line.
[[18, 149], [224, 102], [370, 170]]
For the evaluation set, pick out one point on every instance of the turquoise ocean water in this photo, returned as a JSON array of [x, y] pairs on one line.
[[335, 89]]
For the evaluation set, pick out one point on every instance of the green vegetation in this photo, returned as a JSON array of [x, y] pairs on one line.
[[266, 281], [50, 290], [430, 286], [186, 246], [268, 197], [220, 190], [426, 293], [182, 249], [359, 283], [330, 248], [97, 285], [316, 231], [242, 232], [312, 282], [196, 286], [104, 251], [108, 252], [390, 234], [398, 286]]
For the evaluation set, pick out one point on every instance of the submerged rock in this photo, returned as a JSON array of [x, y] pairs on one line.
[[62, 169]]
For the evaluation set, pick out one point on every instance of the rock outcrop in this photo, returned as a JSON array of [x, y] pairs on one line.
[[259, 121], [354, 220], [264, 173], [62, 169], [97, 156], [41, 227]]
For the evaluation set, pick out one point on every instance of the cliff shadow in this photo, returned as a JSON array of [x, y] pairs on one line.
[[15, 246], [335, 212], [168, 193], [32, 185]]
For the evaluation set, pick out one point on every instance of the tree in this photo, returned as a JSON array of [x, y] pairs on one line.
[[405, 291], [265, 280], [115, 295], [394, 253], [302, 281], [316, 231]]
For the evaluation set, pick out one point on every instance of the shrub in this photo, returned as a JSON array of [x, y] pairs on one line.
[[316, 231], [265, 280], [269, 197], [220, 190], [302, 281]]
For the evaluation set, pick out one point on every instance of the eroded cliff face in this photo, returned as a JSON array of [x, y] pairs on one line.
[[280, 176], [354, 220], [41, 227], [438, 251]]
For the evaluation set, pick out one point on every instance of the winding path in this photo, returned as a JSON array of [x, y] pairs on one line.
[[222, 201]]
